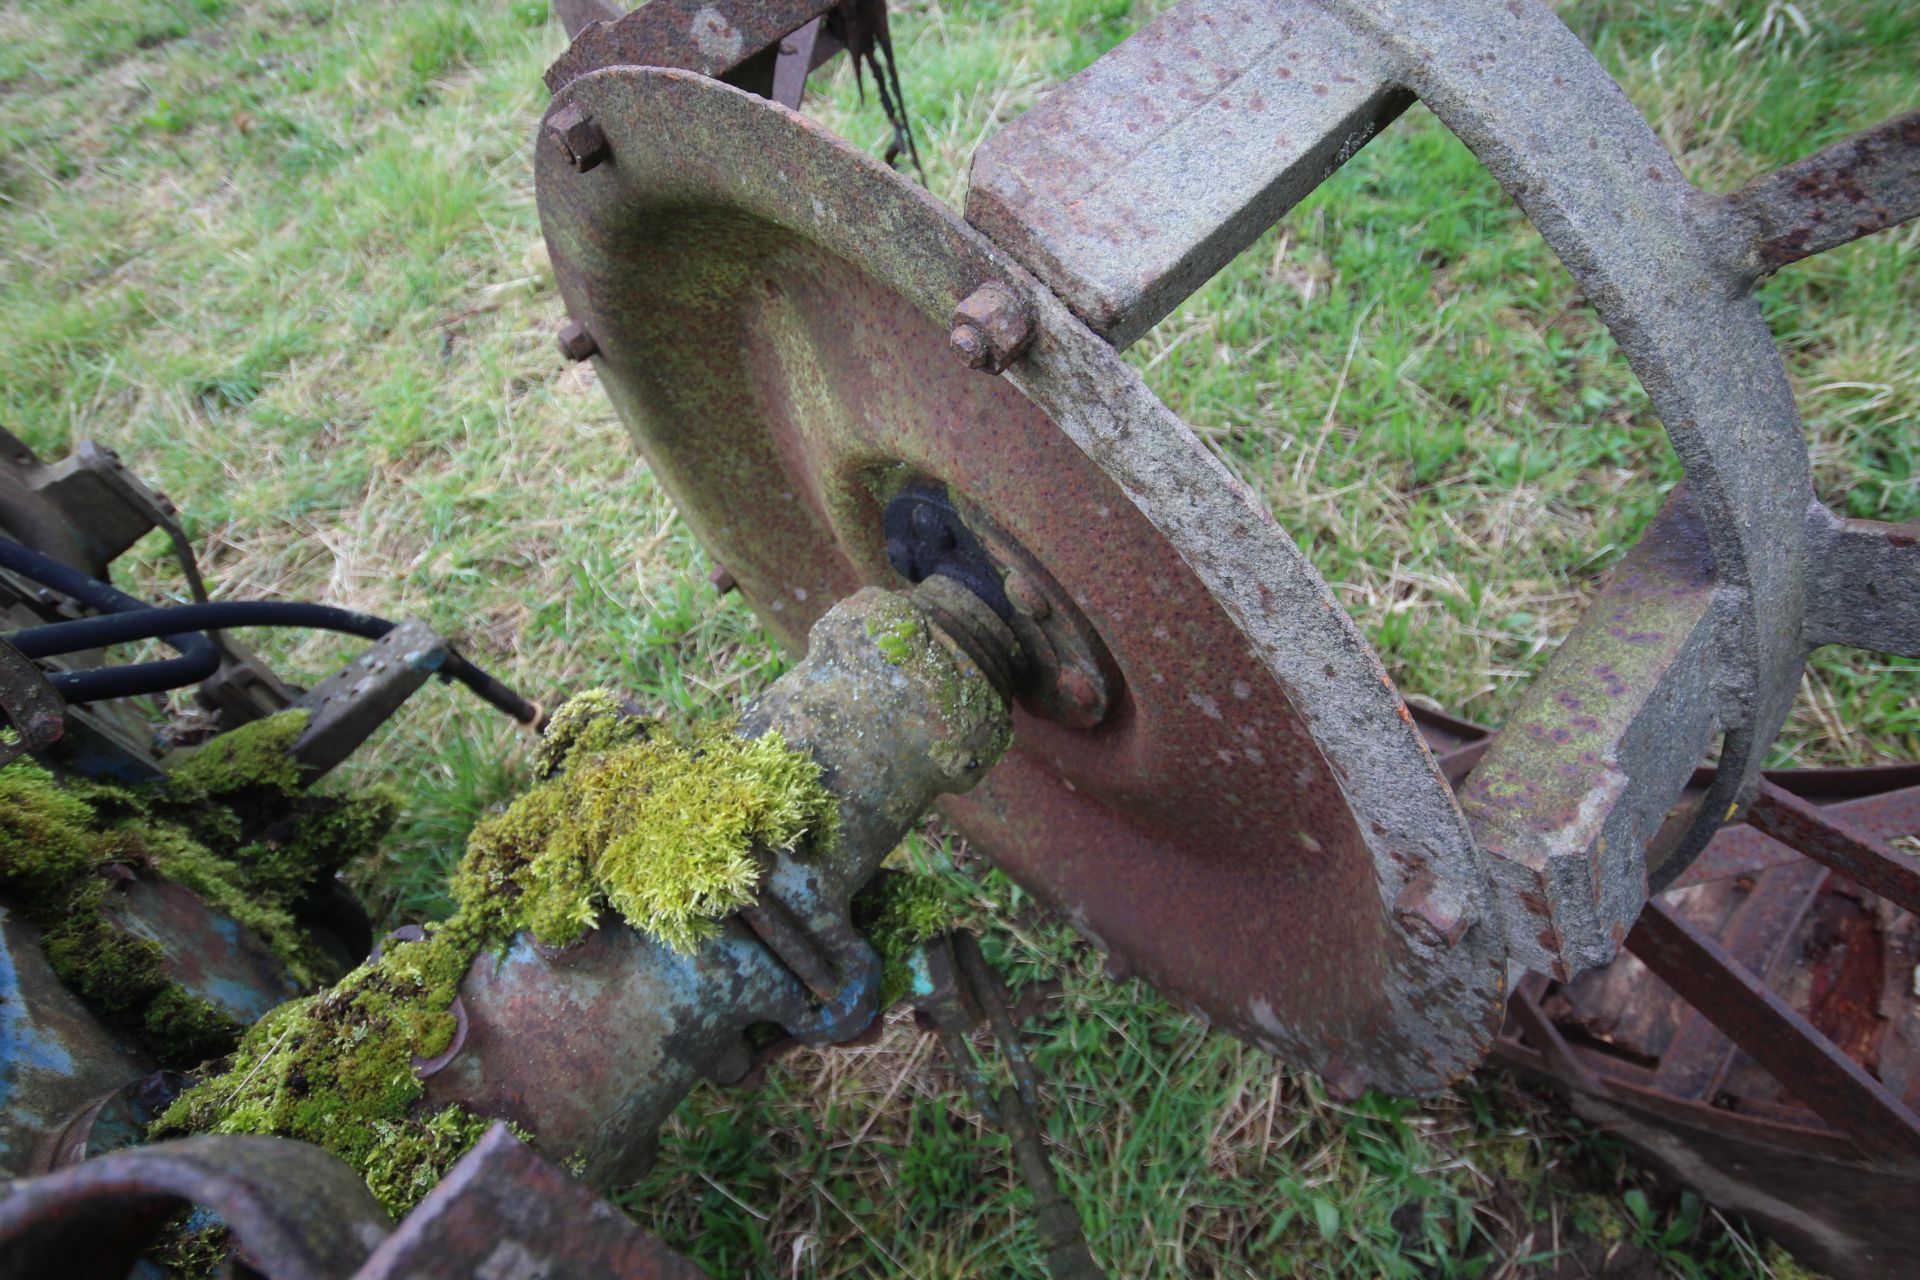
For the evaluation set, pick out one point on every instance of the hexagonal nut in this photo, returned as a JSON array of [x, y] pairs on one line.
[[577, 137], [1430, 915], [576, 342], [992, 327]]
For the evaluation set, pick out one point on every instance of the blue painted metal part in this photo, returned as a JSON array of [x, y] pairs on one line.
[[589, 1047], [55, 1056]]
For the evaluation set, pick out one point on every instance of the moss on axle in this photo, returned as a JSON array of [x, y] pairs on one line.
[[964, 699], [660, 828]]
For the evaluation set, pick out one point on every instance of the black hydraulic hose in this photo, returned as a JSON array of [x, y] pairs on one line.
[[199, 656], [56, 638], [150, 623]]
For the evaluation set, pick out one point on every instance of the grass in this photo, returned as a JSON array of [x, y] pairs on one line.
[[283, 255]]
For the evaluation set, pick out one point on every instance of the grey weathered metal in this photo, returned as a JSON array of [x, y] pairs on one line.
[[1129, 186]]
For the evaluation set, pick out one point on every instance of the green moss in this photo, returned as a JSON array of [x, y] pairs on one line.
[[661, 829], [59, 838], [114, 969], [46, 837], [182, 1027], [189, 1251], [965, 699], [894, 635], [591, 723], [415, 1155], [896, 912], [244, 798], [253, 755], [336, 1069]]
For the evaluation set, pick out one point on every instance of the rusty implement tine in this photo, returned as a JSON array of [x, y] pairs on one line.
[[1774, 1034], [1833, 842], [296, 1212]]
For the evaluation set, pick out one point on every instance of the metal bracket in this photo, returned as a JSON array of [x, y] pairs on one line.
[[28, 700]]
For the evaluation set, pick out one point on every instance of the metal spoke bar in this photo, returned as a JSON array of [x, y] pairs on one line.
[[1833, 842], [1851, 189], [1696, 1061], [690, 34], [1866, 585], [1598, 751], [1810, 1066]]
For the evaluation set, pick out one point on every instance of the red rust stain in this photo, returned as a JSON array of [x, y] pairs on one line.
[[1847, 955]]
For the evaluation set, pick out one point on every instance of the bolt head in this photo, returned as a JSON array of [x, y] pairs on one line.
[[992, 327], [576, 343], [1081, 691], [1343, 1083], [971, 346], [577, 138], [1433, 918]]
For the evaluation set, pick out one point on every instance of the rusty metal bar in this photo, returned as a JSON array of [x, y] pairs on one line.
[[1695, 1062], [1062, 1238], [296, 1212], [1607, 738], [1094, 189], [787, 940], [574, 15], [1834, 842], [504, 1212], [1807, 1064], [1851, 189], [1866, 587], [800, 53], [29, 704], [694, 35]]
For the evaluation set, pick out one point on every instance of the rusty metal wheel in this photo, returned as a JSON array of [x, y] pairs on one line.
[[1252, 820]]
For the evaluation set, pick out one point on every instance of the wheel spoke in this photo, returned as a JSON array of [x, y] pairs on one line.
[[1865, 586], [1851, 189]]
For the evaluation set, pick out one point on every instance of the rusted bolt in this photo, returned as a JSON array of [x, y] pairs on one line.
[[723, 581], [578, 137], [1082, 693], [1343, 1083], [576, 343], [991, 328], [1424, 913]]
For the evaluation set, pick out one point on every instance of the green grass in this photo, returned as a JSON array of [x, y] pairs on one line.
[[283, 255]]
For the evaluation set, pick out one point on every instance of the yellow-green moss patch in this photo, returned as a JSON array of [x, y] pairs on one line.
[[660, 828], [896, 912], [232, 825], [336, 1069], [663, 829]]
